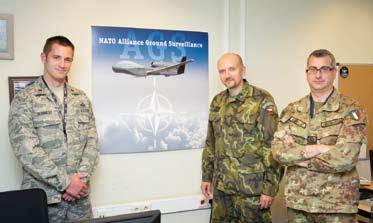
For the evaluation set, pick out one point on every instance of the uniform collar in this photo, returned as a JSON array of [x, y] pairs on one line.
[[332, 104], [247, 91], [43, 89]]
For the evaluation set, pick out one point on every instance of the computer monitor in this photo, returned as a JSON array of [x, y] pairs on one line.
[[139, 217]]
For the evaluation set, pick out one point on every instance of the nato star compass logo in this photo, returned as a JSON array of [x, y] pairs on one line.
[[154, 114]]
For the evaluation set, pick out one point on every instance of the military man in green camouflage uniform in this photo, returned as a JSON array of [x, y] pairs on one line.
[[53, 134], [318, 139], [237, 163]]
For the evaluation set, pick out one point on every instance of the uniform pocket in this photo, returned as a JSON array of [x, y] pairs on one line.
[[82, 126], [215, 119], [46, 122], [241, 138], [329, 135], [299, 134], [251, 183], [49, 130], [245, 123], [82, 122]]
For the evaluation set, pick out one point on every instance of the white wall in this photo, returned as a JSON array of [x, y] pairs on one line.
[[278, 36], [281, 34], [118, 178]]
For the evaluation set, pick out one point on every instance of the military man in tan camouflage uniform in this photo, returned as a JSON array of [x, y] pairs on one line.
[[237, 163], [53, 134], [319, 139]]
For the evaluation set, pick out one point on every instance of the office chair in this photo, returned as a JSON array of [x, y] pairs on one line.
[[24, 206]]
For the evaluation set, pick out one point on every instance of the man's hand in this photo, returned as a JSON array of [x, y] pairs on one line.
[[265, 201], [314, 150], [303, 163], [311, 150], [67, 197], [288, 140], [206, 189], [76, 188], [324, 148]]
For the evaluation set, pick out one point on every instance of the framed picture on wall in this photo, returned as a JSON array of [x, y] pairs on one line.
[[6, 37], [16, 84]]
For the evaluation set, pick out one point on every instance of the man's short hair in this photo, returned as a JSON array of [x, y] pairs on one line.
[[60, 40], [239, 58], [322, 53]]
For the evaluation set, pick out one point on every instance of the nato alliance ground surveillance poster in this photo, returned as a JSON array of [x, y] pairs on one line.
[[150, 89]]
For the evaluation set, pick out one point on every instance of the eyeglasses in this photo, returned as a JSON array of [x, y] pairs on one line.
[[323, 70]]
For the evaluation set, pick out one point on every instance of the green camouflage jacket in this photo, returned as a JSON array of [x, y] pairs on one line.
[[237, 156], [36, 134], [330, 183]]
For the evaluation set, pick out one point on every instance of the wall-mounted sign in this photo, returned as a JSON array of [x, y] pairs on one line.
[[150, 88], [343, 72]]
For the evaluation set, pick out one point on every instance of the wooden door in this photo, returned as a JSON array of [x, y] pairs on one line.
[[358, 84]]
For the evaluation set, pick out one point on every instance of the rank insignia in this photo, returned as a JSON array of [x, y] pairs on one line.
[[331, 122], [355, 115], [298, 122]]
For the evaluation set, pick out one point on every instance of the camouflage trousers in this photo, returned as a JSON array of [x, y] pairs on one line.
[[298, 216], [69, 211], [238, 209]]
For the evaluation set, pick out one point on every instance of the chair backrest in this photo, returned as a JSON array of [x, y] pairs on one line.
[[24, 206]]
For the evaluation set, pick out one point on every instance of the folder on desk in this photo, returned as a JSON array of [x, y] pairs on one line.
[[364, 181]]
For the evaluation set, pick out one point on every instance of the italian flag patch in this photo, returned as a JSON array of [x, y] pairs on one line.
[[355, 115]]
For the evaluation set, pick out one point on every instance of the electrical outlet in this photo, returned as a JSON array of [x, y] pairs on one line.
[[100, 213], [166, 205], [136, 209], [147, 207]]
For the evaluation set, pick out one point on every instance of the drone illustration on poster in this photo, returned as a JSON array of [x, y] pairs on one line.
[[166, 109], [156, 68]]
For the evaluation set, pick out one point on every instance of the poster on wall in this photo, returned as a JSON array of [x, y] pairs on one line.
[[150, 89]]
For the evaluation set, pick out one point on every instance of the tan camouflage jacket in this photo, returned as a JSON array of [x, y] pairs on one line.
[[330, 183], [237, 157], [36, 134]]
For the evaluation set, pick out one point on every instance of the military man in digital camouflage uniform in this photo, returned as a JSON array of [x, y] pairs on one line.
[[237, 165], [319, 139], [53, 134]]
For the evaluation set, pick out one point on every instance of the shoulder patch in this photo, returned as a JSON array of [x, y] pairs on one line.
[[355, 115], [269, 107]]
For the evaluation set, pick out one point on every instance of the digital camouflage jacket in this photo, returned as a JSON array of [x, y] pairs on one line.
[[48, 156], [330, 183]]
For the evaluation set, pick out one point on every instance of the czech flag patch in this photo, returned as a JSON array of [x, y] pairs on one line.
[[355, 115]]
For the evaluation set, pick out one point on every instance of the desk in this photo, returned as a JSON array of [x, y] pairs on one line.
[[365, 213], [367, 187]]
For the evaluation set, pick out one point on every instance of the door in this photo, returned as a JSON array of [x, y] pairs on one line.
[[358, 84]]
